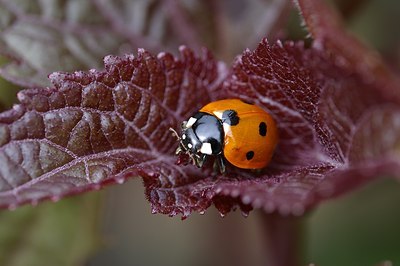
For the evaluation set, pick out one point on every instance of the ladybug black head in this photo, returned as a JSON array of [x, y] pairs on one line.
[[189, 141], [201, 136]]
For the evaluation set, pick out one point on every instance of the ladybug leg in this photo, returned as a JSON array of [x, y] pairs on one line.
[[178, 150], [200, 160], [219, 164]]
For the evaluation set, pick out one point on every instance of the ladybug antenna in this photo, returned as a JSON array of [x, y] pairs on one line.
[[174, 133], [180, 147]]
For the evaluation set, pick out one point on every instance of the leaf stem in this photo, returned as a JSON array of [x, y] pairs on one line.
[[284, 236]]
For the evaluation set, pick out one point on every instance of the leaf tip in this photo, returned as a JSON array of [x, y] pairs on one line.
[[279, 43], [161, 55], [264, 41], [143, 53], [154, 210], [182, 48], [186, 213], [120, 180], [55, 76], [110, 60], [245, 213]]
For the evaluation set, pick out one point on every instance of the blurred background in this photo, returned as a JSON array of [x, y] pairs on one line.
[[115, 226]]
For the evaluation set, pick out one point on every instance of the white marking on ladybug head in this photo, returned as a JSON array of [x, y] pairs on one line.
[[206, 148], [190, 122], [190, 145], [183, 136]]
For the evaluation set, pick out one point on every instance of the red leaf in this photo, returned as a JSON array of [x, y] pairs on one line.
[[97, 128], [324, 118], [41, 38], [337, 112], [321, 114], [346, 51]]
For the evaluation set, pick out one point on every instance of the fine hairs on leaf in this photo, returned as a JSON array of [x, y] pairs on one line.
[[93, 128]]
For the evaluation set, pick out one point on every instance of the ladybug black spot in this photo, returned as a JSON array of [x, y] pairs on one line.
[[230, 117], [262, 129], [249, 155]]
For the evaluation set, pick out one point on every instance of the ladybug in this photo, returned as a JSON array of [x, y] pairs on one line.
[[241, 133]]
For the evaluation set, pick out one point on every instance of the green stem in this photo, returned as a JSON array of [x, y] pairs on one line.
[[284, 238]]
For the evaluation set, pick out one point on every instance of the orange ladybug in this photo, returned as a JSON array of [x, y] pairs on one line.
[[242, 133]]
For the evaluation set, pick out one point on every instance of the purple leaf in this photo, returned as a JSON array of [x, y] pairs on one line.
[[327, 121], [303, 171], [42, 37], [344, 49], [328, 112], [96, 128], [338, 124]]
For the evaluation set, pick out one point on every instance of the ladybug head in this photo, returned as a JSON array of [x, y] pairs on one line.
[[201, 136], [189, 144]]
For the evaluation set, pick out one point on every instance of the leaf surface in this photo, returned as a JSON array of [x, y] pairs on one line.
[[43, 37], [338, 127], [326, 120], [345, 50], [100, 127]]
